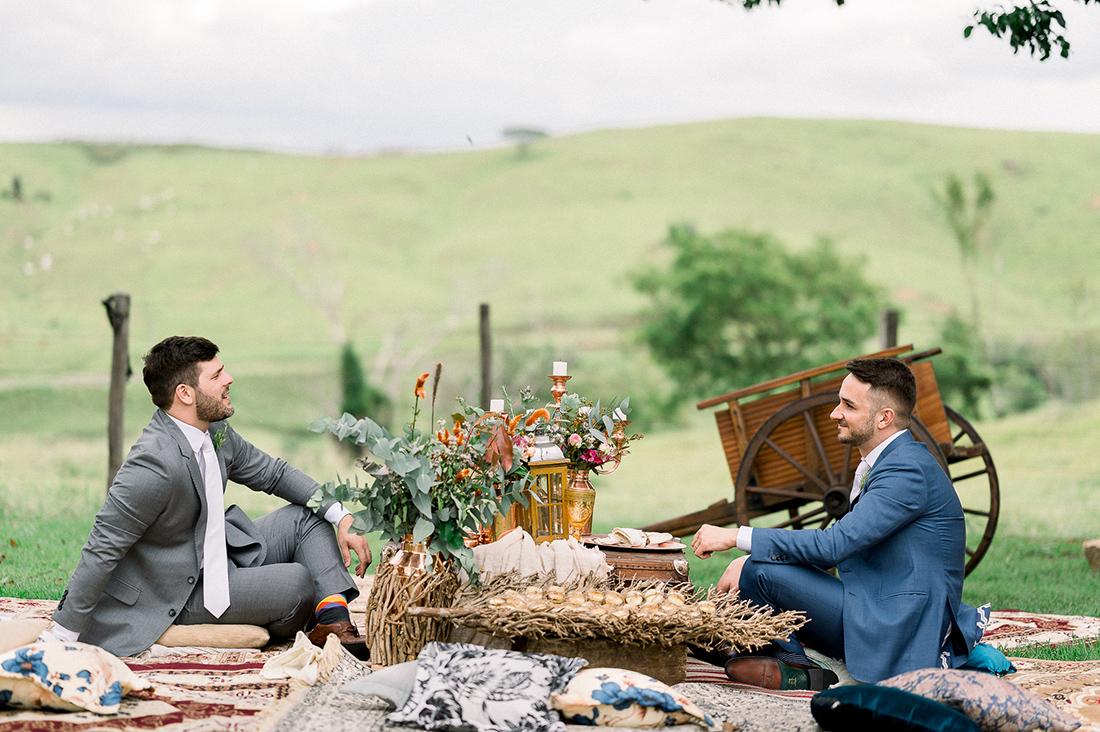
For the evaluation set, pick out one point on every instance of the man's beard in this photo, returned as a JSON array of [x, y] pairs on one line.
[[857, 435], [211, 409]]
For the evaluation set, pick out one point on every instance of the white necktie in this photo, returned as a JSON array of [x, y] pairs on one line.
[[215, 572], [857, 485]]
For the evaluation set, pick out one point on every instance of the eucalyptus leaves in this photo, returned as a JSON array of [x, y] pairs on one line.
[[439, 486]]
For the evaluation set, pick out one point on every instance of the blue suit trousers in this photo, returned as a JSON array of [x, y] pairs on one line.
[[812, 590]]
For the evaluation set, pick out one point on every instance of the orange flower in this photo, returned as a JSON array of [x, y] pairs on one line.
[[513, 423], [443, 436], [460, 438], [419, 393], [536, 416], [463, 474]]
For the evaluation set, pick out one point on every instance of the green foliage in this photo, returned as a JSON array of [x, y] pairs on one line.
[[360, 398], [1019, 384], [966, 218], [439, 488], [1031, 25], [962, 375], [737, 308]]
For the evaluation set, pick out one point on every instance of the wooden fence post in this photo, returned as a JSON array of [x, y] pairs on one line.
[[888, 328], [118, 312], [486, 356]]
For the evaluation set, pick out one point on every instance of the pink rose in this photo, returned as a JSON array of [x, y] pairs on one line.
[[574, 440]]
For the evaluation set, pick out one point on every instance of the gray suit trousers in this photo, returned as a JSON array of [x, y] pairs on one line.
[[301, 565]]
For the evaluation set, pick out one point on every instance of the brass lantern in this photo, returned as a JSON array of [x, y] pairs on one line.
[[544, 517]]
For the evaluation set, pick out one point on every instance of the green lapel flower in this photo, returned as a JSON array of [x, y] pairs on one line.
[[218, 438]]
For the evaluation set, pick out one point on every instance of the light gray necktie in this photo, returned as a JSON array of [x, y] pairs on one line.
[[857, 485], [215, 572]]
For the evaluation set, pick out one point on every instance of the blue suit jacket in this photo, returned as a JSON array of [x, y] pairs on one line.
[[900, 553]]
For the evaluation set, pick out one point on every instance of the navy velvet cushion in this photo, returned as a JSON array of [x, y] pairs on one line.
[[880, 708]]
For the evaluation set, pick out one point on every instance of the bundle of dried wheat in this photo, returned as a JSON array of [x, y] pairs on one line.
[[651, 612]]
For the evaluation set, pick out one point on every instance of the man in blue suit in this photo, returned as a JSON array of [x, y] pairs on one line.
[[899, 552]]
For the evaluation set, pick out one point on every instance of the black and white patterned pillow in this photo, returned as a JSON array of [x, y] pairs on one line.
[[461, 687]]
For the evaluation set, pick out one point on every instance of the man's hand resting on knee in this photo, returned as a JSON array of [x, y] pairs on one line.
[[349, 543]]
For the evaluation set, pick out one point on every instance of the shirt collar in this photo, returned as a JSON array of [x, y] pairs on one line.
[[194, 435], [874, 454]]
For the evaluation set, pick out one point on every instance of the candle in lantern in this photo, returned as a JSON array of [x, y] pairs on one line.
[[496, 405], [560, 368]]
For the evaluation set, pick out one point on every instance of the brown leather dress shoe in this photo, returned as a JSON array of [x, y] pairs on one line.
[[771, 673], [346, 633]]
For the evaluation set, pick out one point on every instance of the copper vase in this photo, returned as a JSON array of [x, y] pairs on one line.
[[580, 500], [411, 559]]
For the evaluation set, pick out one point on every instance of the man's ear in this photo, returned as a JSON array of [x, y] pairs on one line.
[[885, 418], [185, 394]]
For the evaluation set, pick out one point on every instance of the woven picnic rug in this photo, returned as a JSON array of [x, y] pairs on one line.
[[217, 691]]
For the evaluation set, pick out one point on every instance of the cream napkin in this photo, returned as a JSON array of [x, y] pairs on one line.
[[304, 661], [516, 550], [636, 537]]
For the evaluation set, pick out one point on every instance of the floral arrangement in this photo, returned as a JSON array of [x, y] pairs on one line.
[[591, 435], [439, 486]]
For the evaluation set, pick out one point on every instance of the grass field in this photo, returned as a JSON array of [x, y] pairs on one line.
[[281, 258]]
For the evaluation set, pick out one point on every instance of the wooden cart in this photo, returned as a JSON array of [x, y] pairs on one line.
[[789, 470]]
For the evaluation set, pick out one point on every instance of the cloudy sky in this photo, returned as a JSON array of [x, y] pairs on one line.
[[358, 76]]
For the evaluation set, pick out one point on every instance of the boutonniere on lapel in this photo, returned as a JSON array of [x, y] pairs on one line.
[[862, 481], [218, 438]]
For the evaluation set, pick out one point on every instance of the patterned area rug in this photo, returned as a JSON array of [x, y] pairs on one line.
[[219, 691], [1009, 629]]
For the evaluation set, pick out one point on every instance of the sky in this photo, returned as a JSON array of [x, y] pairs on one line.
[[368, 76]]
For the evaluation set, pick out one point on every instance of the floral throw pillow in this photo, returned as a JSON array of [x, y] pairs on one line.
[[65, 677], [461, 687], [615, 697], [997, 705]]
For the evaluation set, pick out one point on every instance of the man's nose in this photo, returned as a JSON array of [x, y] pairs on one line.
[[833, 414]]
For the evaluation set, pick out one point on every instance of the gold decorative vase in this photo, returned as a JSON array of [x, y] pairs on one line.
[[580, 500], [407, 580]]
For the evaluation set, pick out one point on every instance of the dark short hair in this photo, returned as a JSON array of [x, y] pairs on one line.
[[172, 362], [892, 379]]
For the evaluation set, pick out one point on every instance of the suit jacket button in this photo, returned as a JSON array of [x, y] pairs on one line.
[[190, 580], [171, 613]]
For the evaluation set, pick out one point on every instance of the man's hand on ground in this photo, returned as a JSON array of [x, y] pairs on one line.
[[349, 543]]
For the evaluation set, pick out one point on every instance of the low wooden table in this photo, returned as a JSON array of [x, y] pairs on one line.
[[632, 564]]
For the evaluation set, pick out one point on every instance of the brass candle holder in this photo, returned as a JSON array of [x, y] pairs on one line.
[[558, 389]]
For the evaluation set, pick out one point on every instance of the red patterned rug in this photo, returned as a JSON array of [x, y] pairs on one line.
[[222, 691]]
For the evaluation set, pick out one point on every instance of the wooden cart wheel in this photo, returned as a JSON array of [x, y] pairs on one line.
[[817, 472], [975, 478]]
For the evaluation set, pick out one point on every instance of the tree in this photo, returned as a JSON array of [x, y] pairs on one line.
[[1034, 25], [360, 399], [967, 219], [737, 308]]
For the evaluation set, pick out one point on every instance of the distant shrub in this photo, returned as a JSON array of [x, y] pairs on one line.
[[360, 398]]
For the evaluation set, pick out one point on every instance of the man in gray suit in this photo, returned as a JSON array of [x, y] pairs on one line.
[[163, 550]]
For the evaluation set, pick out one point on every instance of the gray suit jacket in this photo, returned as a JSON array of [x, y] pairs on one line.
[[144, 554]]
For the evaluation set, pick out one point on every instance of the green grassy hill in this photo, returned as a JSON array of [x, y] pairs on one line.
[[278, 258], [273, 253]]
